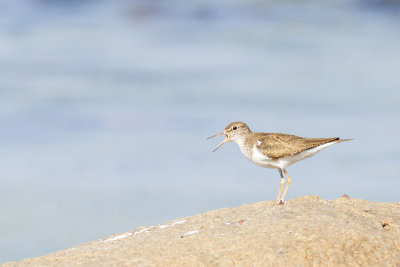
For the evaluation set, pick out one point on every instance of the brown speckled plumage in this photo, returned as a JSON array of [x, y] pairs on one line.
[[278, 145], [274, 150]]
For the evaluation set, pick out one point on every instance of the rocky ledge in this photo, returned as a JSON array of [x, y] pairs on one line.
[[306, 231]]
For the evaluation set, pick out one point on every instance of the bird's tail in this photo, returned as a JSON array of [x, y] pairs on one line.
[[342, 140]]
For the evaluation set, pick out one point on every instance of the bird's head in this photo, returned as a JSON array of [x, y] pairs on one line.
[[233, 133]]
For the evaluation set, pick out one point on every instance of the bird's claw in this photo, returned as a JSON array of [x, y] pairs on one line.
[[281, 202]]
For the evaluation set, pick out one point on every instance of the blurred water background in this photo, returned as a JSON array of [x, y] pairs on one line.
[[105, 107]]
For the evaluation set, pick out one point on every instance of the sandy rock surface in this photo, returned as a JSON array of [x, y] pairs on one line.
[[307, 231]]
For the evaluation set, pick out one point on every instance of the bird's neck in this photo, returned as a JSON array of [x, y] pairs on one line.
[[241, 141]]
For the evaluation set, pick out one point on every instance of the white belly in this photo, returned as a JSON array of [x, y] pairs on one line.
[[262, 160]]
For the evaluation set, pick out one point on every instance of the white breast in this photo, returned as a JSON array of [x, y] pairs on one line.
[[260, 159]]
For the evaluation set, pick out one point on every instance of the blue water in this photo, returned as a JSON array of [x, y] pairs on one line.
[[105, 107]]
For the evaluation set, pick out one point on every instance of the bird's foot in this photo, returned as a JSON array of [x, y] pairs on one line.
[[281, 202]]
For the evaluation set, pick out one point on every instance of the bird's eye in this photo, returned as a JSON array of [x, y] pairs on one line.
[[234, 128]]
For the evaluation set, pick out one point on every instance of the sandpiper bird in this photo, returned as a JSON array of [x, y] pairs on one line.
[[274, 150]]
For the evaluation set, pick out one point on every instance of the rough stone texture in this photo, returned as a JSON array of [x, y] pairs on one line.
[[307, 231]]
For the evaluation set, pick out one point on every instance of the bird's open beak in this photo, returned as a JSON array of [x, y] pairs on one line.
[[223, 142]]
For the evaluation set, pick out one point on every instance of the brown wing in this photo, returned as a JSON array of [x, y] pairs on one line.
[[275, 145]]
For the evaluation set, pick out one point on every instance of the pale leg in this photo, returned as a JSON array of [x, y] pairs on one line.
[[282, 183], [286, 188]]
